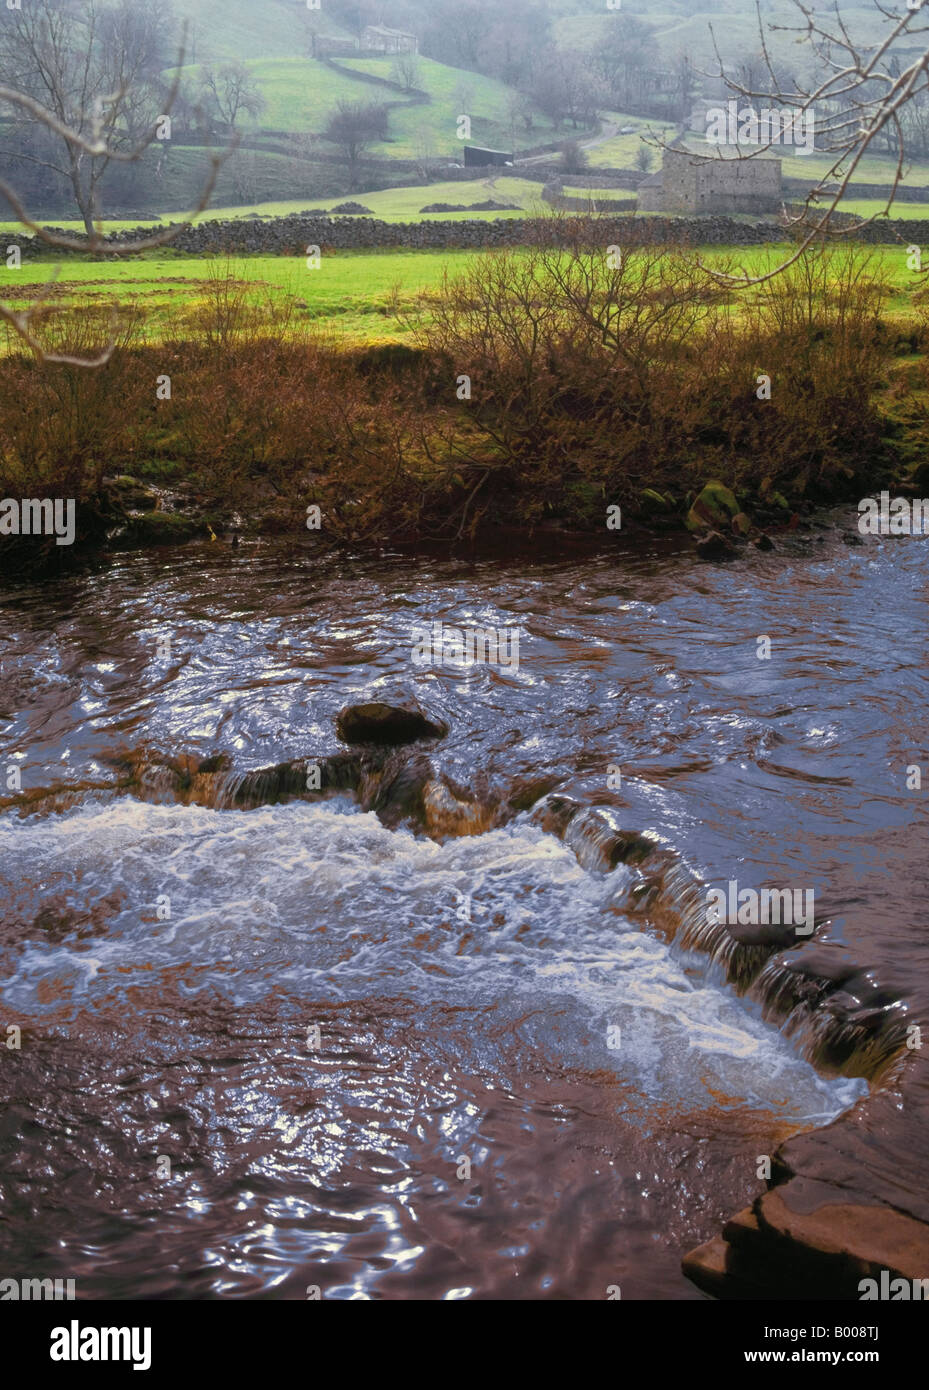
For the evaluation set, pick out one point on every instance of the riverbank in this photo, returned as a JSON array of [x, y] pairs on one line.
[[543, 389]]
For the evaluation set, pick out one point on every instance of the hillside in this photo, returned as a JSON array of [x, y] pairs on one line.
[[283, 157], [233, 30]]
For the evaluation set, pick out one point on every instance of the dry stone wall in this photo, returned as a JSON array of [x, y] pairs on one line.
[[293, 235]]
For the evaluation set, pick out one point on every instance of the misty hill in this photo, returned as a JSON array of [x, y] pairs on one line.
[[317, 111]]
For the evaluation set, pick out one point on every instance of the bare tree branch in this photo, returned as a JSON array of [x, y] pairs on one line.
[[857, 95], [89, 133]]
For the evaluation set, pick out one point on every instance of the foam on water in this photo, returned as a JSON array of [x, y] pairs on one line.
[[322, 902]]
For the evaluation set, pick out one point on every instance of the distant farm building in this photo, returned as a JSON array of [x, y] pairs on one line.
[[474, 157], [376, 36], [721, 184], [331, 46]]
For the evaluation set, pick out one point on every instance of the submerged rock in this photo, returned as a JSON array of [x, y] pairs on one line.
[[163, 528], [131, 494], [448, 815], [394, 786], [387, 724], [714, 546]]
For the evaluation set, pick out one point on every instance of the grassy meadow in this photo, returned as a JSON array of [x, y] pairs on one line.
[[354, 296], [401, 204]]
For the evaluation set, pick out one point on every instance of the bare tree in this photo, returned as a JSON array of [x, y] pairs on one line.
[[626, 60], [685, 84], [857, 99], [73, 71], [463, 96], [565, 88], [353, 127], [94, 70], [518, 115], [405, 70], [312, 21], [425, 149], [231, 90]]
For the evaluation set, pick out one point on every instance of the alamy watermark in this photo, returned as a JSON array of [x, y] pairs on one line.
[[465, 647], [36, 1290], [35, 516], [77, 1343], [897, 1290], [771, 125], [893, 516], [762, 907]]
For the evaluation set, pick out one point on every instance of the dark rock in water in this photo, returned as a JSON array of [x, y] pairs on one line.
[[163, 528], [527, 791], [554, 813], [300, 778], [763, 542], [394, 789], [219, 762], [213, 782], [129, 493], [387, 724], [852, 538], [774, 934], [713, 546], [592, 832]]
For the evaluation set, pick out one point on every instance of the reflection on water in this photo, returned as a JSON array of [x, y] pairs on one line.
[[485, 999]]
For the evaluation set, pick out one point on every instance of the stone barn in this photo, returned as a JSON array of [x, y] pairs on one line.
[[714, 184]]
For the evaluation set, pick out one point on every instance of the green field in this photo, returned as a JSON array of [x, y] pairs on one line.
[[620, 152], [874, 207], [349, 296], [226, 30], [404, 204], [484, 100], [353, 295], [389, 204], [301, 93]]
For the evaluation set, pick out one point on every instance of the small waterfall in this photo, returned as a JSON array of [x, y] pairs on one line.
[[813, 990], [843, 1019], [157, 782], [212, 782]]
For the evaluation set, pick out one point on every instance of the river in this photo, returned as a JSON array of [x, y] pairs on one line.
[[271, 1051]]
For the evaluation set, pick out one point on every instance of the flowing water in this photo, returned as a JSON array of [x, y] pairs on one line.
[[282, 1048]]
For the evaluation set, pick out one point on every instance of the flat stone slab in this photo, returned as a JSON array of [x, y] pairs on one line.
[[867, 1239]]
